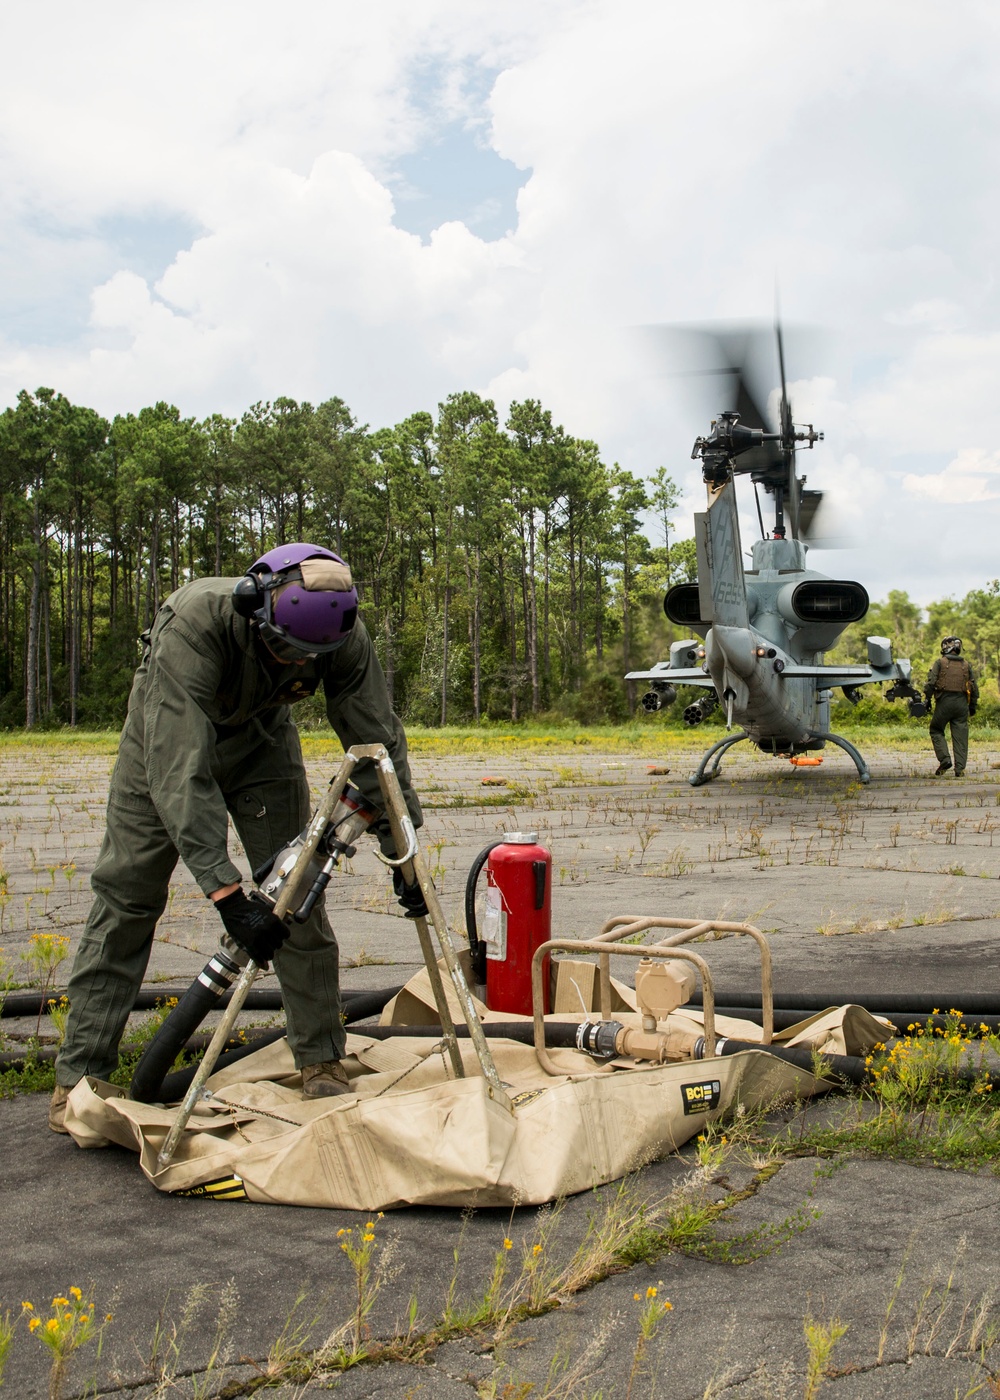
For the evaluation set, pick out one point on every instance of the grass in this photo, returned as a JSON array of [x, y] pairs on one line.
[[642, 735], [910, 1115], [932, 1101], [36, 1076]]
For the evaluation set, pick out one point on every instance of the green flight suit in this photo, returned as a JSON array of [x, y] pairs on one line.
[[952, 685], [209, 735]]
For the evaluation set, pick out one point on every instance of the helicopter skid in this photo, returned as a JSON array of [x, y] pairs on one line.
[[700, 777], [864, 776], [703, 774]]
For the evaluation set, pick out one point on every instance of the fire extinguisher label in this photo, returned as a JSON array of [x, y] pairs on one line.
[[495, 925], [701, 1098]]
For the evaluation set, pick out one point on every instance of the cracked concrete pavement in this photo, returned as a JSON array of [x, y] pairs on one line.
[[885, 888]]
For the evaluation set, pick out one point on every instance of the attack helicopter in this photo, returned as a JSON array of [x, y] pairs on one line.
[[764, 630]]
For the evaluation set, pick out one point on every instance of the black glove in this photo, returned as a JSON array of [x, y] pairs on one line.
[[972, 709], [251, 924], [411, 897]]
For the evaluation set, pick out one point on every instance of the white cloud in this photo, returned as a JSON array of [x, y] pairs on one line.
[[838, 145], [964, 481]]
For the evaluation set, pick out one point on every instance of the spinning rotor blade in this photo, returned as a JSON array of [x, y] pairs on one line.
[[741, 365], [740, 360], [787, 430], [810, 513]]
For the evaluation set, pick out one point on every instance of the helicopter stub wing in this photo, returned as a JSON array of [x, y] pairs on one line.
[[828, 677], [691, 675]]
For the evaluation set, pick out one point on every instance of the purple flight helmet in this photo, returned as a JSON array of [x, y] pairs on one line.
[[303, 599]]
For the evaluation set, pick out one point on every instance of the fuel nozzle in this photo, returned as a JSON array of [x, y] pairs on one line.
[[352, 816]]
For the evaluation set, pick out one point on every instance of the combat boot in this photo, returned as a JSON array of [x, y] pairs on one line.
[[942, 767], [57, 1109], [324, 1080]]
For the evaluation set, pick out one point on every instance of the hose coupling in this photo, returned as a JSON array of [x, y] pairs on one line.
[[599, 1038], [219, 973]]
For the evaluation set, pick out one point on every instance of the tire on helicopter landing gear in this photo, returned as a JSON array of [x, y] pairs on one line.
[[700, 777]]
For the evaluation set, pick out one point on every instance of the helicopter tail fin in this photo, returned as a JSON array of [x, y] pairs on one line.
[[722, 592]]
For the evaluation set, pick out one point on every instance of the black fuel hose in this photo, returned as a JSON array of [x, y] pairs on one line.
[[477, 948], [919, 1003], [175, 1086], [845, 1069], [257, 999], [904, 1023], [47, 1054], [851, 1069], [205, 994]]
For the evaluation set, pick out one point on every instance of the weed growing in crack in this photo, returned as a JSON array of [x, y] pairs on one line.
[[6, 1341], [71, 1325], [930, 1099], [652, 1313], [821, 1338]]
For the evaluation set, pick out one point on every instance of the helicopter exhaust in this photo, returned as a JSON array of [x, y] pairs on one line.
[[700, 710], [658, 696]]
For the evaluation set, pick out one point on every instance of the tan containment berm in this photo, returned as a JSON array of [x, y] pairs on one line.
[[411, 1134]]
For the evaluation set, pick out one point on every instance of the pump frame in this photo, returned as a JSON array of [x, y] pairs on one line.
[[625, 926]]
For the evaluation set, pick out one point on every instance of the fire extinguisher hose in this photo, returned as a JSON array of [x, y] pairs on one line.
[[477, 948]]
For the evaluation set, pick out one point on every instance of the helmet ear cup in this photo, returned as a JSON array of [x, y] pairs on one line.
[[248, 595]]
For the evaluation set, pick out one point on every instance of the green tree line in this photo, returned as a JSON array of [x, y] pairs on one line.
[[502, 567], [505, 570]]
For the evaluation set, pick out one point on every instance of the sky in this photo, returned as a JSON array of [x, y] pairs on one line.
[[395, 201]]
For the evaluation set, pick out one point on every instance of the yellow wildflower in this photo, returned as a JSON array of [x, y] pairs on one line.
[[508, 1244], [76, 1293], [651, 1292], [536, 1249], [367, 1239], [34, 1323], [52, 1325], [60, 1302], [28, 1307]]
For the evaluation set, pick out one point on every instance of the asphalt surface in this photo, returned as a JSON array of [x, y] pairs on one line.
[[859, 891]]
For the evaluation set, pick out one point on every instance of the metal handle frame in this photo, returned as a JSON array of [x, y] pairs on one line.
[[599, 946], [626, 925]]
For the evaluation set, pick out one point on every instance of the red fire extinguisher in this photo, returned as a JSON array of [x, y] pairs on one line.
[[518, 918]]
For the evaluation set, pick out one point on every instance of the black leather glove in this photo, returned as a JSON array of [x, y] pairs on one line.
[[251, 924], [411, 897]]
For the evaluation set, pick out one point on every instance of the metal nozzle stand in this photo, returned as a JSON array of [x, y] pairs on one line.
[[411, 863]]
